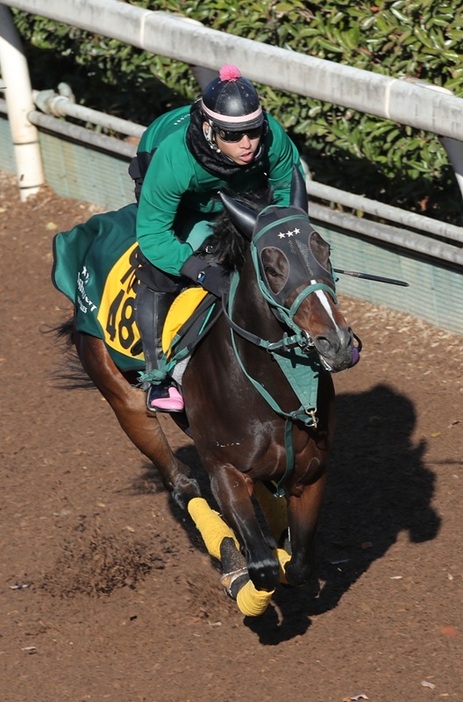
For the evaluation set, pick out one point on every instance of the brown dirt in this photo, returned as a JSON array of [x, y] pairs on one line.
[[106, 592]]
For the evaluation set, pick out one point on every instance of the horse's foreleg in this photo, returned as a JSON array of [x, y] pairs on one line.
[[232, 491], [303, 512], [128, 404]]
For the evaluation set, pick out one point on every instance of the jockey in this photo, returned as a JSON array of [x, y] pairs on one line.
[[184, 158]]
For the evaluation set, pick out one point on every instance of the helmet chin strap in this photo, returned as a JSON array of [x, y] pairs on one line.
[[208, 132]]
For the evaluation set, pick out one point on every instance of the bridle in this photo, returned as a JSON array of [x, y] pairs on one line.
[[290, 233], [294, 352]]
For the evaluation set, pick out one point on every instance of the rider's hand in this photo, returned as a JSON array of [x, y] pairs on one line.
[[213, 278]]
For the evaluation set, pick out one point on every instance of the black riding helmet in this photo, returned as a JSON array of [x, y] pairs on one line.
[[231, 103]]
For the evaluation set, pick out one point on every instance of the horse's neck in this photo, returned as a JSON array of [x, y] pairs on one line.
[[252, 312]]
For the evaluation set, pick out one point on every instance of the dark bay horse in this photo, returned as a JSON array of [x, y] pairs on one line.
[[258, 390]]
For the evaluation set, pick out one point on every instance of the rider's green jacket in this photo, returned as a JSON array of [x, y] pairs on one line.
[[176, 187]]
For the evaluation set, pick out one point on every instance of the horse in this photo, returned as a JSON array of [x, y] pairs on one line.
[[258, 389]]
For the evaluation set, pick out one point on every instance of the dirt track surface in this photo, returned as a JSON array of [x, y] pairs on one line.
[[106, 592]]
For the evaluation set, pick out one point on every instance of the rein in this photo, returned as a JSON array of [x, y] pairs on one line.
[[294, 354]]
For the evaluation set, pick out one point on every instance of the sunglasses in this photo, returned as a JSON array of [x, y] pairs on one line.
[[237, 136]]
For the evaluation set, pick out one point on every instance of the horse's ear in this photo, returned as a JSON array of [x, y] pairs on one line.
[[242, 216], [299, 190]]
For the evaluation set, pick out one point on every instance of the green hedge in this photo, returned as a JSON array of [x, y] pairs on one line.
[[350, 150]]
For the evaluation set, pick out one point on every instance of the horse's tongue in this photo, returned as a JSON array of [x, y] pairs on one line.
[[355, 357]]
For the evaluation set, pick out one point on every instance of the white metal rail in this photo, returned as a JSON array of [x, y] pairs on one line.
[[400, 100]]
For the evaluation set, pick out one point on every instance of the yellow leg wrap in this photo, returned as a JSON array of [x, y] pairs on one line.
[[210, 525], [252, 602], [283, 557]]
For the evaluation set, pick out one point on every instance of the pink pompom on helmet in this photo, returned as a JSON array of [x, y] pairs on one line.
[[231, 102], [229, 72]]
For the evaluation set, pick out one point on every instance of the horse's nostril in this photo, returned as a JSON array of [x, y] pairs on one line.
[[325, 346], [330, 345]]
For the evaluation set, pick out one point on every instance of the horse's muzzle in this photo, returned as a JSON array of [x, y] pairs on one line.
[[337, 349]]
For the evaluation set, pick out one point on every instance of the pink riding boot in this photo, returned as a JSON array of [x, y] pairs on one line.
[[164, 398]]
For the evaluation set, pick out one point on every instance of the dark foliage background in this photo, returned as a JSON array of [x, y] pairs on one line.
[[350, 150]]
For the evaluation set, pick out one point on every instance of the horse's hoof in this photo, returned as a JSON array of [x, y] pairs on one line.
[[235, 572], [233, 582], [265, 575]]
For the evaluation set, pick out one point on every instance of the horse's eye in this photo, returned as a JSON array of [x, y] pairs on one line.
[[271, 272], [275, 266]]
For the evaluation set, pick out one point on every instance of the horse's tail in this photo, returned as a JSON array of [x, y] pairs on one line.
[[70, 375], [65, 332]]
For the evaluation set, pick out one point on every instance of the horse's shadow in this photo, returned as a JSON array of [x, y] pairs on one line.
[[378, 487]]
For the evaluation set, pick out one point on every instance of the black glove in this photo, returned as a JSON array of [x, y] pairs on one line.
[[213, 278]]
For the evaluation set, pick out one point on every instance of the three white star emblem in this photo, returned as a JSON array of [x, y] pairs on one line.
[[289, 233]]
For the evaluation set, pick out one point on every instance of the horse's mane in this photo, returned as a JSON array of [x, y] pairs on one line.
[[227, 245]]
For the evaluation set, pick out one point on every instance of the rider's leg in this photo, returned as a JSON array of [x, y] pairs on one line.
[[151, 311]]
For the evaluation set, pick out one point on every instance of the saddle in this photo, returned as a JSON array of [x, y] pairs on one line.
[[190, 317]]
